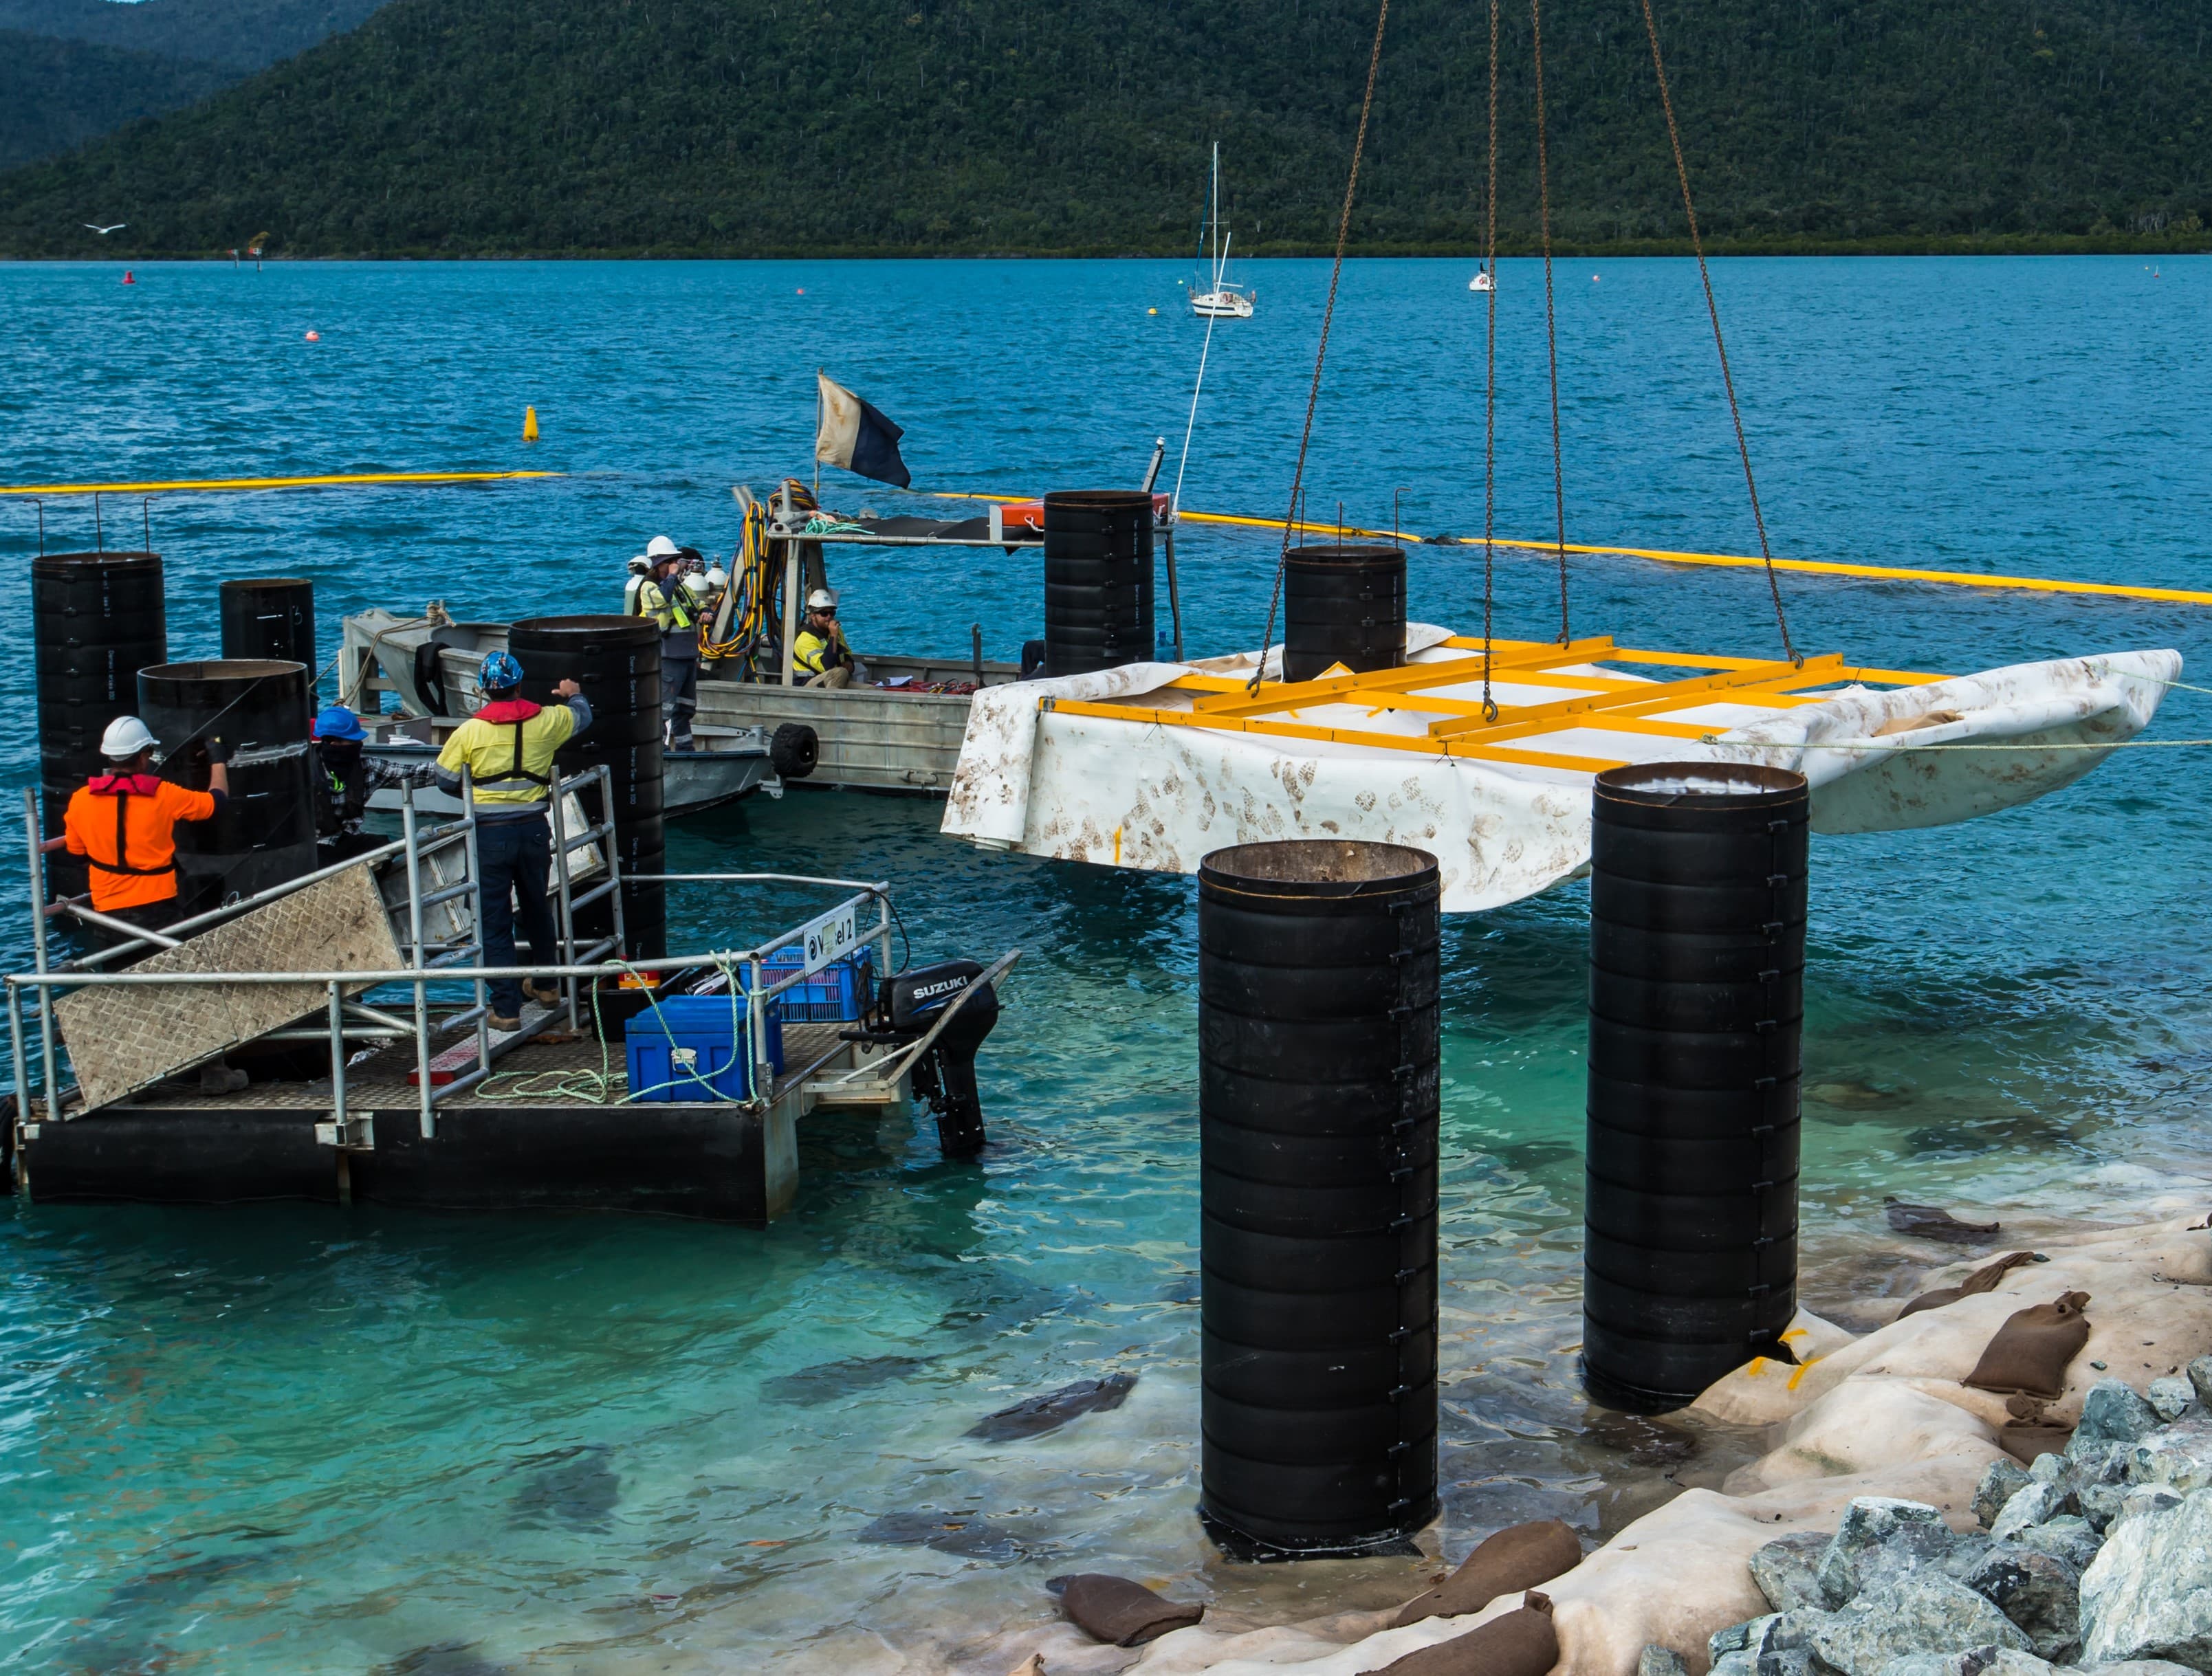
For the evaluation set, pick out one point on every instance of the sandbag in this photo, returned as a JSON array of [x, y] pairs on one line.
[[2030, 1353], [1521, 1643], [2028, 1444], [1504, 1563], [1983, 1279], [1121, 1612]]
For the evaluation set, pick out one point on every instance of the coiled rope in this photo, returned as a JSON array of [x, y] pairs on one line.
[[1320, 351]]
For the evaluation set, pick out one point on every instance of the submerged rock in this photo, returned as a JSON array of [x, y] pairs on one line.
[[1926, 1613], [2113, 1413], [1932, 1222], [2037, 1591], [444, 1658], [2149, 1593], [825, 1382], [2004, 1480], [1881, 1536], [577, 1489], [962, 1533], [1787, 1571], [1032, 1417]]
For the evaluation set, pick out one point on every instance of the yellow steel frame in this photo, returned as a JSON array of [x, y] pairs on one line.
[[1462, 729]]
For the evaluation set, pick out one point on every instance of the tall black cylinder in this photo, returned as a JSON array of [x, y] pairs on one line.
[[266, 831], [271, 616], [1097, 580], [1698, 878], [616, 661], [1343, 605], [96, 620], [1317, 984]]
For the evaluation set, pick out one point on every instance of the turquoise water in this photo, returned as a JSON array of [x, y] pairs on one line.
[[286, 1439]]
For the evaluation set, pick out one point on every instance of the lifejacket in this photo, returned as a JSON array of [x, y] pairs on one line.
[[123, 787]]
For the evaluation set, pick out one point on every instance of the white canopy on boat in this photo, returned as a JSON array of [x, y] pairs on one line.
[[1152, 766]]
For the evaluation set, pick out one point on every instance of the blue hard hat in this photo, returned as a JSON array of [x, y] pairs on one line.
[[336, 722], [499, 670]]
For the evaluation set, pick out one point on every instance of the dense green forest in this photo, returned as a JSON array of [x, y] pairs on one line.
[[54, 95], [72, 70], [454, 127]]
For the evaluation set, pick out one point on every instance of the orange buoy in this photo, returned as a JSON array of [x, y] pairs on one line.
[[802, 290], [314, 337]]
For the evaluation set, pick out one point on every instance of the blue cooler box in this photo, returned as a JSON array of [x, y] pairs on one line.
[[693, 1039]]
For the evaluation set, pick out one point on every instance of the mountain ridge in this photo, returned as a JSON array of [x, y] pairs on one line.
[[754, 127]]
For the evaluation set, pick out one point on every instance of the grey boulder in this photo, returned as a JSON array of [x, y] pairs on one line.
[[2170, 1397], [2113, 1413], [2004, 1478], [2179, 1456], [1787, 1571], [1926, 1613], [2037, 1591], [2132, 1667], [2199, 1375], [1657, 1660], [2148, 1592], [1974, 1661], [2036, 1504], [2067, 1537], [1882, 1536]]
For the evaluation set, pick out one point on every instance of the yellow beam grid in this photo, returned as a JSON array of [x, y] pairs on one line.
[[206, 484], [1878, 573], [1619, 704]]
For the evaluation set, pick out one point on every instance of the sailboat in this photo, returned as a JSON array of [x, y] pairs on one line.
[[1220, 300]]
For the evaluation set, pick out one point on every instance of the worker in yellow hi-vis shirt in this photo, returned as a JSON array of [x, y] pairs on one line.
[[508, 749]]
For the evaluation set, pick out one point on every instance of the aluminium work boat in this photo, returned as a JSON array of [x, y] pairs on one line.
[[1152, 766]]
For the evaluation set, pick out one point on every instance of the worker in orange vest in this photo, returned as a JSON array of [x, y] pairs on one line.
[[124, 822]]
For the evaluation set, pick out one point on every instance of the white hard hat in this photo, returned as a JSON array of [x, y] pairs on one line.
[[126, 737], [822, 599], [660, 548]]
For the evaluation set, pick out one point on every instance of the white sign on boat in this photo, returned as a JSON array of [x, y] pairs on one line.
[[833, 935]]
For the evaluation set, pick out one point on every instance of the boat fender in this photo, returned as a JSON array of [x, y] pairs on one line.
[[794, 750], [430, 678]]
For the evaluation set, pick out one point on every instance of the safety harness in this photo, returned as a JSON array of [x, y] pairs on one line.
[[121, 786]]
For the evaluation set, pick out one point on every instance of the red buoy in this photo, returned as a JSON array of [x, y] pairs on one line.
[[314, 337], [127, 278]]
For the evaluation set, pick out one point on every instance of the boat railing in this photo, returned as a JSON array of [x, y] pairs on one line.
[[435, 962]]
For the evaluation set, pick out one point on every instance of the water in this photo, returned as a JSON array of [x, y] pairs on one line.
[[281, 1438]]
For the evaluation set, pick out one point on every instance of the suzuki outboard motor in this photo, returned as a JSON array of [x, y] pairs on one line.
[[944, 1077]]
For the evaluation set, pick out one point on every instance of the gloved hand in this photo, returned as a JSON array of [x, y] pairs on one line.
[[217, 751]]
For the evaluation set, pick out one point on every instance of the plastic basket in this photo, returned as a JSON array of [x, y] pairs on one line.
[[837, 994]]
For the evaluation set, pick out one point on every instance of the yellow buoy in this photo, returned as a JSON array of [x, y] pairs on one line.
[[530, 424]]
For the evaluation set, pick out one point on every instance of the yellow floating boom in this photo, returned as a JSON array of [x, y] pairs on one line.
[[212, 483], [1957, 579]]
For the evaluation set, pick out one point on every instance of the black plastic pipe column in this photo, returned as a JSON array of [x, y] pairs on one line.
[[1317, 1154], [1698, 889]]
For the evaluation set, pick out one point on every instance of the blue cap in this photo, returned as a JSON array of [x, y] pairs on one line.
[[498, 672], [336, 722]]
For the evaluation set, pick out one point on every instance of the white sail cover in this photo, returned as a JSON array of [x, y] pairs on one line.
[[1122, 793]]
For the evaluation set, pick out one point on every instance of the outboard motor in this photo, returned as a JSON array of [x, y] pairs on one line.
[[944, 1077]]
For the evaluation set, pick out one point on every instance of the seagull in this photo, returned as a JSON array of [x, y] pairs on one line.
[[103, 231]]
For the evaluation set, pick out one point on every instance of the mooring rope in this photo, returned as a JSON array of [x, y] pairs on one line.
[[1712, 309], [1490, 387], [1551, 321], [1321, 352]]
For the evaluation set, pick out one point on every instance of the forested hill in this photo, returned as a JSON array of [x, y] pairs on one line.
[[760, 126]]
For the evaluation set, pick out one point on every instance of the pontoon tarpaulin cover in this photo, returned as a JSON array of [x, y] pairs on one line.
[[1127, 794]]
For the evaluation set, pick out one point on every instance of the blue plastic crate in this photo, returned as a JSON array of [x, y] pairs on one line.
[[689, 1040], [837, 994]]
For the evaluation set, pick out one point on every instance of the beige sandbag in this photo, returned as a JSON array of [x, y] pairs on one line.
[[2030, 1353], [1521, 1643], [1504, 1563], [1983, 1279]]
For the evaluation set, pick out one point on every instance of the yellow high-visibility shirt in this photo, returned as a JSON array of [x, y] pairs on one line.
[[508, 749]]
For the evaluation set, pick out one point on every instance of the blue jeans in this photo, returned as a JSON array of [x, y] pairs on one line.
[[514, 857]]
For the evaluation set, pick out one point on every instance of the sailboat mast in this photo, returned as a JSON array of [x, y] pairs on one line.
[[1214, 214]]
